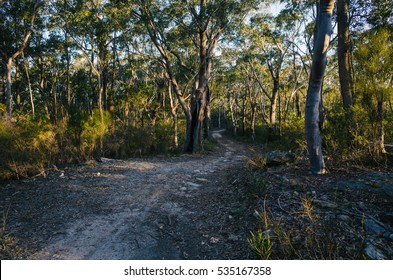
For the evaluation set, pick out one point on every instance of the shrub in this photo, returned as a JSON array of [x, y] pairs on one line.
[[94, 129], [27, 146]]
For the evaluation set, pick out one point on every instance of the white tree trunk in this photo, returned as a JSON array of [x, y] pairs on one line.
[[319, 61]]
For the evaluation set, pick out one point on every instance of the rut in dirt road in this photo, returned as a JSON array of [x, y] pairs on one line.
[[157, 208]]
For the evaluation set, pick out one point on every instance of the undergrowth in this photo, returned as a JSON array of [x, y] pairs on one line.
[[32, 147]]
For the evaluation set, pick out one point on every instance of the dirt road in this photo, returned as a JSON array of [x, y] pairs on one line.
[[156, 208]]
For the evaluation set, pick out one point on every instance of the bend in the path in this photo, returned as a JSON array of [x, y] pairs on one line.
[[150, 209]]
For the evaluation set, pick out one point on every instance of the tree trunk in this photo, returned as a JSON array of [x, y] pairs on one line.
[[344, 52], [8, 85], [319, 61], [2, 88], [219, 116], [273, 105], [253, 119], [199, 100], [26, 63], [379, 142], [207, 117], [174, 116]]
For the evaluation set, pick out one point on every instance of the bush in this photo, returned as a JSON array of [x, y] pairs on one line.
[[94, 129], [26, 147]]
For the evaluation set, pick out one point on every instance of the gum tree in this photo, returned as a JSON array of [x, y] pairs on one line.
[[313, 101]]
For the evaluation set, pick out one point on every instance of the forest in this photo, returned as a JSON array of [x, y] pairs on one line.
[[118, 79]]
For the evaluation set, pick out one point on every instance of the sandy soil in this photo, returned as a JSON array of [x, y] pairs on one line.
[[154, 208]]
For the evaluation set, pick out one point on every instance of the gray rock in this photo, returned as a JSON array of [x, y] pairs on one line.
[[275, 158], [325, 204], [344, 218], [233, 237], [374, 228], [202, 179], [373, 253], [193, 184]]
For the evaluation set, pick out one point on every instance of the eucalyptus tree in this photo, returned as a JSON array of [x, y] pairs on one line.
[[313, 101], [18, 19], [343, 52]]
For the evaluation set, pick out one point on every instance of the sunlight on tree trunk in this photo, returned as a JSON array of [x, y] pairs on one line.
[[343, 52], [319, 61]]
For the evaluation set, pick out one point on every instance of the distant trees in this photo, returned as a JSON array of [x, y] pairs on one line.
[[201, 23], [18, 19]]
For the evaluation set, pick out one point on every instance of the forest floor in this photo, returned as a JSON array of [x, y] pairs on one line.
[[197, 207]]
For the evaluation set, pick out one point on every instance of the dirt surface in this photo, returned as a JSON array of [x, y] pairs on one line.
[[199, 207], [155, 208]]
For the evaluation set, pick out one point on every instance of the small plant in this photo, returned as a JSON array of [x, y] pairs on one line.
[[3, 237], [257, 161], [260, 243], [256, 183], [307, 208]]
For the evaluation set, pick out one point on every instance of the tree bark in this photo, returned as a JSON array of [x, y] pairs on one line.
[[8, 85], [379, 142], [343, 53], [274, 100], [174, 115], [26, 64], [319, 61]]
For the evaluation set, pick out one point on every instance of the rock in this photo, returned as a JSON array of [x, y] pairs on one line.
[[233, 237], [344, 218], [325, 204], [276, 158], [214, 240], [373, 227], [373, 253], [202, 179], [193, 184]]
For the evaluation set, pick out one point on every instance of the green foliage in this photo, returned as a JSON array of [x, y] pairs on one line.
[[303, 235], [340, 134], [26, 147], [30, 147], [128, 140], [256, 184], [209, 144], [5, 239], [260, 243], [288, 138], [94, 129]]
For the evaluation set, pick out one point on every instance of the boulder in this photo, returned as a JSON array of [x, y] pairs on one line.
[[276, 158]]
